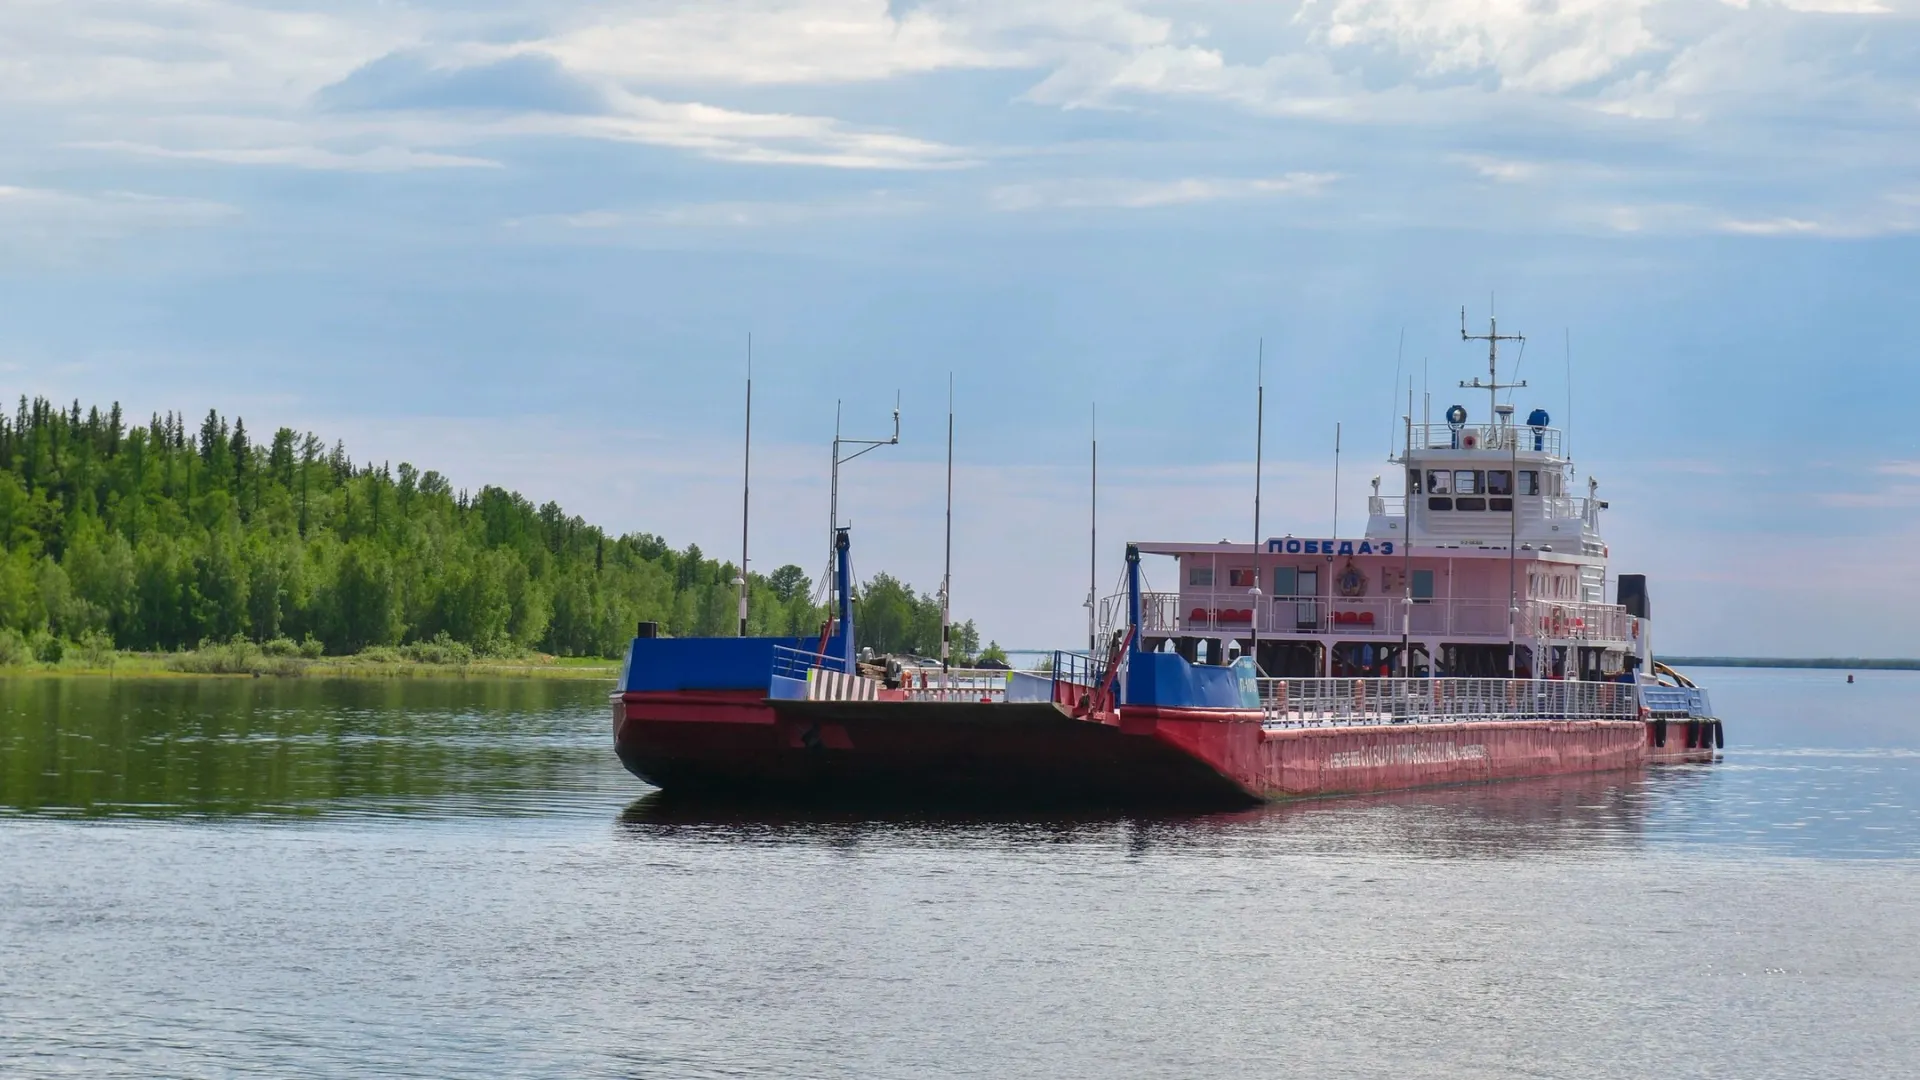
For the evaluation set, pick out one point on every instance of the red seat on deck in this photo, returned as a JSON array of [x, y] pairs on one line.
[[1366, 618], [1199, 615]]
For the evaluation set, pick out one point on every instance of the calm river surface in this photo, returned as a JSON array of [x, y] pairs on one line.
[[456, 879]]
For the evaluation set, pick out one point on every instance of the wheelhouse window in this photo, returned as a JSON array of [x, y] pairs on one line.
[[1466, 481], [1286, 581], [1499, 482], [1240, 577], [1439, 481], [1200, 575], [1413, 481], [1470, 502], [1529, 481], [1439, 502]]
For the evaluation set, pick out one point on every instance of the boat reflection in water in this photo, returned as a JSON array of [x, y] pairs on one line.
[[1591, 812]]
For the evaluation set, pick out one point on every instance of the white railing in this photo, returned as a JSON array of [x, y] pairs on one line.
[[1486, 437], [957, 684], [1327, 702], [1234, 611], [1532, 507]]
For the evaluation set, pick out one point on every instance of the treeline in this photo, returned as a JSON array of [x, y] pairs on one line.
[[163, 536]]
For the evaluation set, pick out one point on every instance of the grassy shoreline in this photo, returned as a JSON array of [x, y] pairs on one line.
[[376, 665]]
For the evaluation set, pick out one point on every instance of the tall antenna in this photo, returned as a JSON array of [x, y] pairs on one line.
[[1493, 337], [1566, 426], [1259, 447], [1406, 544], [746, 489], [833, 497], [1336, 481], [946, 574], [1399, 352], [1093, 536]]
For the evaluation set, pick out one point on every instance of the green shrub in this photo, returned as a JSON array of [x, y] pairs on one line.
[[236, 657], [311, 648], [96, 649], [14, 650], [47, 648], [441, 649], [280, 646]]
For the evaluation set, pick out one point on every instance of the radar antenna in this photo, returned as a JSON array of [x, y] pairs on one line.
[[1493, 337]]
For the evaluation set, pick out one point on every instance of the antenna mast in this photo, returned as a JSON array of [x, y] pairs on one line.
[[946, 574], [746, 490], [833, 496], [1093, 538], [1493, 337], [1259, 446], [1336, 483]]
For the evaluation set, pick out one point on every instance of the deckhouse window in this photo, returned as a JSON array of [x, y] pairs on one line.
[[1200, 575], [1242, 578], [1439, 481], [1499, 482], [1529, 481], [1413, 479], [1466, 481], [1286, 581], [1422, 586]]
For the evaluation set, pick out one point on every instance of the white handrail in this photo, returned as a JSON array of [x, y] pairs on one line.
[[1229, 612], [1318, 702]]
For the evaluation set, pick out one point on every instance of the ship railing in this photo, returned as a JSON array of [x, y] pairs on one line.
[[1232, 613], [1159, 614], [955, 684], [792, 663], [1487, 437], [1342, 702]]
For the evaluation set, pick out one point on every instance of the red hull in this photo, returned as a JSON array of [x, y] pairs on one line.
[[742, 742]]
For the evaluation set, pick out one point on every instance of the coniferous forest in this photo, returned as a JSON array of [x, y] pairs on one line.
[[165, 536]]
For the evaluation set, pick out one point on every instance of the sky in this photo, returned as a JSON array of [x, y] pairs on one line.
[[525, 244]]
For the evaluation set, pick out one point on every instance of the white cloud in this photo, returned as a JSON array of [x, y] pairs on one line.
[[723, 215], [1528, 46], [794, 41], [1144, 194], [734, 135], [1505, 170], [42, 225], [161, 53], [378, 159]]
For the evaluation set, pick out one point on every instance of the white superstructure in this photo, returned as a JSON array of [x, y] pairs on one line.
[[1490, 564]]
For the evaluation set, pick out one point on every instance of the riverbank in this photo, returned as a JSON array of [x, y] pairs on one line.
[[228, 662], [1825, 663]]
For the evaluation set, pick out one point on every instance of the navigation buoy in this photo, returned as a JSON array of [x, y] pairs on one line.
[[1849, 679]]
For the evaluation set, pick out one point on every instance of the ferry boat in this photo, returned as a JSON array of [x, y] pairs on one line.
[[1465, 636]]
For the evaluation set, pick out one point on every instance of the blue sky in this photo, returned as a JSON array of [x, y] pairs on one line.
[[524, 244]]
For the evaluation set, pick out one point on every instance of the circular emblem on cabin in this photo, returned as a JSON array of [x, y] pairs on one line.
[[1351, 582]]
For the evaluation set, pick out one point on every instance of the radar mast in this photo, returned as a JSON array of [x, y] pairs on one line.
[[1493, 337]]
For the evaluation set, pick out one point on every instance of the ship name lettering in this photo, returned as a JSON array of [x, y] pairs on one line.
[[1291, 546]]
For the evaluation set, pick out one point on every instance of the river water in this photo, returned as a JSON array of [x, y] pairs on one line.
[[456, 879]]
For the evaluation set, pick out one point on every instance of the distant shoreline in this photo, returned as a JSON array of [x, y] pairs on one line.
[[378, 665], [1828, 663]]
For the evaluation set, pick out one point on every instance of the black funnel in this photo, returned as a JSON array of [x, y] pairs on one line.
[[1633, 596]]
